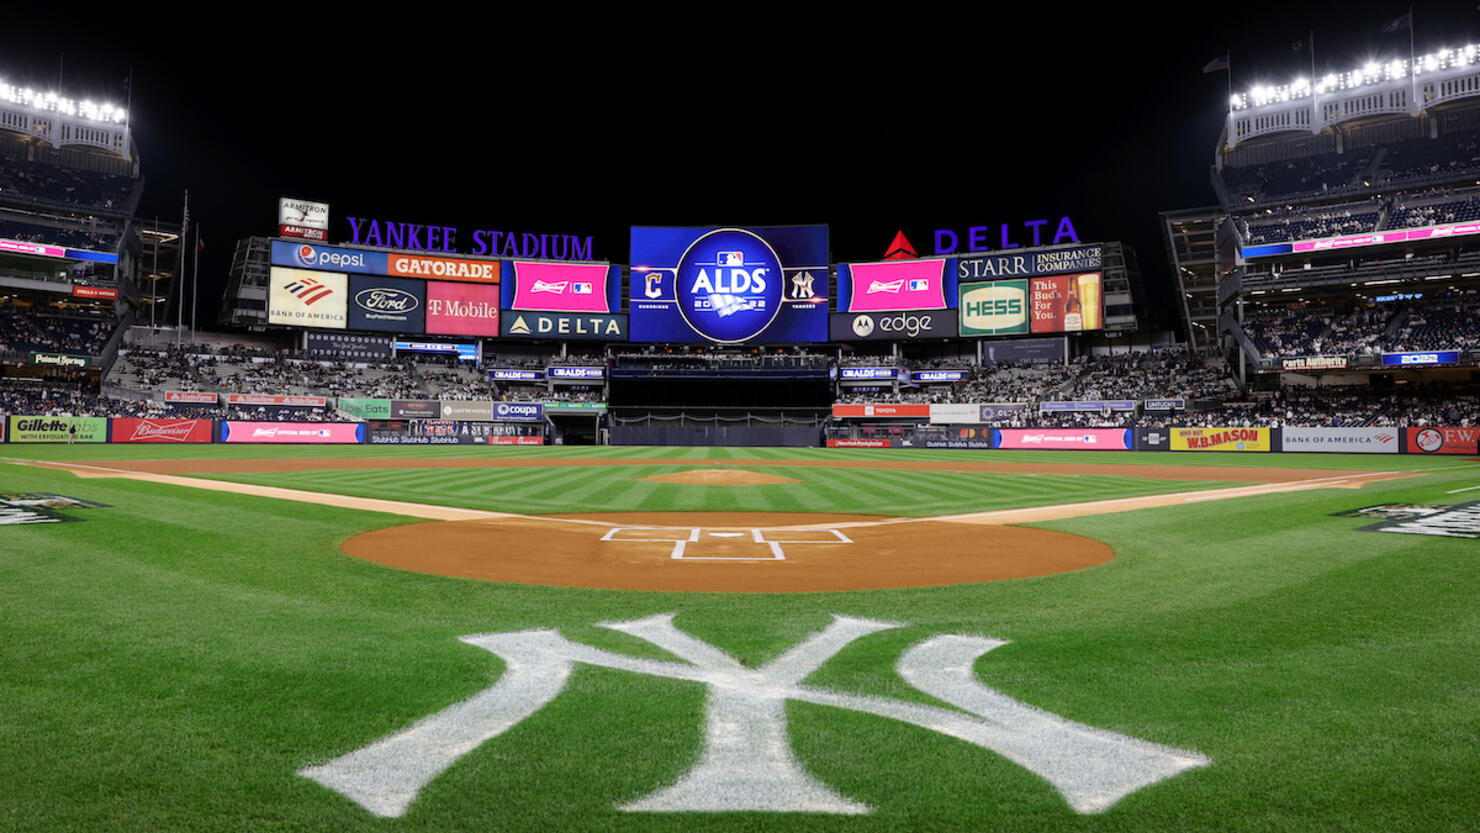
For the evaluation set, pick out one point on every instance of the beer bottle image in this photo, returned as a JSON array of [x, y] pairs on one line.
[[1073, 315]]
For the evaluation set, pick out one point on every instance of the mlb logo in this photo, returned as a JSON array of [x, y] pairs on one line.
[[582, 289], [919, 284], [730, 259]]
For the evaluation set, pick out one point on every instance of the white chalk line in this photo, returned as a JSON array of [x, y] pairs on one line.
[[451, 513], [1466, 489]]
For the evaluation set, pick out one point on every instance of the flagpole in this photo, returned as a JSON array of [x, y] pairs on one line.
[[180, 272], [1412, 74], [194, 284]]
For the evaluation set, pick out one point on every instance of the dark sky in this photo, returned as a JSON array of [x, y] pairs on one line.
[[560, 121]]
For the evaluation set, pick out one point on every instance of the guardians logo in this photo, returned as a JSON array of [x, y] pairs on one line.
[[729, 285]]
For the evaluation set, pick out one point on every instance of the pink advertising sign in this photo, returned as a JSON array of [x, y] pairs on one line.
[[560, 287]]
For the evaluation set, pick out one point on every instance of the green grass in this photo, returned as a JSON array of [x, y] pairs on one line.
[[171, 662]]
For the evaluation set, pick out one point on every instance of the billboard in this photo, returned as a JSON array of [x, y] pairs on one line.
[[327, 258], [462, 309], [292, 432], [564, 326], [162, 431], [518, 412], [931, 377], [1066, 303], [1031, 350], [276, 400], [1088, 406], [995, 308], [1442, 440], [910, 411], [1100, 439], [891, 326], [432, 267], [38, 429], [563, 287], [1220, 439], [574, 372], [58, 360], [973, 413], [513, 375], [365, 408], [177, 397], [1052, 262], [300, 298], [1343, 440], [896, 285], [415, 409], [303, 219], [386, 304], [859, 444], [346, 346], [1410, 359], [467, 411], [79, 291], [868, 373], [729, 285], [1314, 363]]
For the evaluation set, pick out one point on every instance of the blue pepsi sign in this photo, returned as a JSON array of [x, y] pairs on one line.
[[301, 255], [729, 285]]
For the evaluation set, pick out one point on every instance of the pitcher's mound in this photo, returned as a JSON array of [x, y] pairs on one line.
[[719, 477]]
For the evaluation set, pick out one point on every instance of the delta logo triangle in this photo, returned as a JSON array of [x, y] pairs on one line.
[[519, 327], [900, 249]]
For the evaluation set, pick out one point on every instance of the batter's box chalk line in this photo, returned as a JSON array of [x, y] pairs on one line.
[[684, 539]]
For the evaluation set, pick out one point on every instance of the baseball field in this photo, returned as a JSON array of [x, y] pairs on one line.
[[457, 638]]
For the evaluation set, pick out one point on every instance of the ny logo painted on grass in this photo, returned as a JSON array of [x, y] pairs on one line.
[[747, 763]]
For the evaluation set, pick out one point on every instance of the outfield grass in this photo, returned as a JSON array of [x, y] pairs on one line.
[[171, 662]]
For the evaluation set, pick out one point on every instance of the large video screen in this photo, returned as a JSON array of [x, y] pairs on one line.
[[1053, 304], [896, 286], [562, 287], [729, 285]]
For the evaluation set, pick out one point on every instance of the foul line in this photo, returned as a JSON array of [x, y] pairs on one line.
[[452, 513]]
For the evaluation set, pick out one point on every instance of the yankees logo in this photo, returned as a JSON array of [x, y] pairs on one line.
[[746, 763]]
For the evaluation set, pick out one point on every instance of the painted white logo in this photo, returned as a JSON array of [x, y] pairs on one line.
[[885, 286], [746, 763], [556, 287]]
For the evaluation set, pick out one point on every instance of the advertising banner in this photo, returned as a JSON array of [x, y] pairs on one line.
[[467, 411], [162, 431], [415, 409], [346, 346], [1088, 406], [575, 407], [892, 326], [386, 304], [1314, 363], [1359, 240], [327, 258], [907, 411], [58, 360], [1101, 439], [1153, 439], [1408, 359], [93, 292], [563, 287], [1066, 304], [365, 408], [518, 412], [189, 398], [997, 308], [859, 444], [1164, 405], [516, 440], [993, 411], [511, 375], [39, 429], [868, 372], [1052, 262], [274, 400], [896, 285], [573, 372], [1442, 440], [729, 285], [928, 377], [441, 432], [1220, 439], [564, 326], [300, 298], [1030, 350], [955, 413], [303, 219], [1343, 440], [431, 267], [292, 432], [461, 309]]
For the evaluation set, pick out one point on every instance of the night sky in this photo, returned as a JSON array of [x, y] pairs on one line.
[[564, 122]]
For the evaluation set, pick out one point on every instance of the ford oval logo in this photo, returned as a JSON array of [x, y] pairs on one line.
[[385, 299]]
